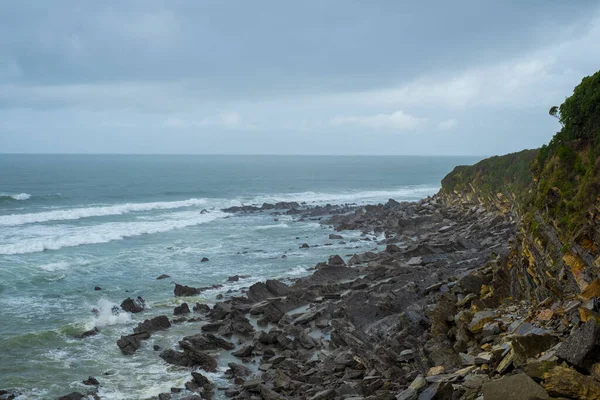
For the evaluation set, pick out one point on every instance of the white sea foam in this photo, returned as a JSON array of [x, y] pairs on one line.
[[87, 212], [263, 227], [59, 236], [19, 196], [405, 193], [107, 313]]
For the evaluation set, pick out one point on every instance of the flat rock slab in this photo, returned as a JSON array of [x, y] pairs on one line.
[[514, 387], [582, 348]]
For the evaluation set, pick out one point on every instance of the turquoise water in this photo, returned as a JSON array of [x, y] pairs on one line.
[[69, 223]]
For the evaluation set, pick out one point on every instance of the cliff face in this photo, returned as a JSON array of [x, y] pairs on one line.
[[553, 194]]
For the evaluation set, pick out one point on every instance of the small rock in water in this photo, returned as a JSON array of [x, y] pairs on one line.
[[182, 309], [91, 381], [97, 288], [163, 276], [304, 246], [133, 306], [204, 259]]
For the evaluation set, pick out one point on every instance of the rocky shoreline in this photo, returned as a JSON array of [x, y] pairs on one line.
[[429, 317]]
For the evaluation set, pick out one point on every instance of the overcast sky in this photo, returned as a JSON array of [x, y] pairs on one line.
[[289, 77]]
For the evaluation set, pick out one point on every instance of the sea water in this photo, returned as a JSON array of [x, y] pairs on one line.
[[69, 223]]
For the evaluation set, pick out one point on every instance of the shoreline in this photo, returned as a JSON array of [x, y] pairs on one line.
[[372, 325]]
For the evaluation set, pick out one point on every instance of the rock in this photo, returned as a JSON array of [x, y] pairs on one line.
[[206, 341], [407, 394], [529, 346], [233, 278], [97, 288], [190, 358], [131, 343], [566, 382], [334, 236], [433, 371], [133, 306], [480, 319], [181, 309], [418, 383], [304, 246], [415, 261], [582, 348], [514, 387], [163, 276], [203, 308], [204, 259], [91, 381], [252, 384], [336, 261], [245, 351], [406, 355], [239, 370], [182, 290], [152, 325], [490, 329], [324, 394]]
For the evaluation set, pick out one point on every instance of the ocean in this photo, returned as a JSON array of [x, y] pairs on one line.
[[69, 223]]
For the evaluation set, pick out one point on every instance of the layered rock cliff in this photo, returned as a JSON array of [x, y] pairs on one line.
[[553, 194]]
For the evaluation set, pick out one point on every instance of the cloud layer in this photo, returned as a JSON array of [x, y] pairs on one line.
[[336, 77]]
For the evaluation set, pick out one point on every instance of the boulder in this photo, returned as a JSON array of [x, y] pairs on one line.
[[91, 381], [152, 325], [131, 343], [163, 276], [204, 259], [528, 346], [181, 309], [334, 236], [567, 383], [514, 387], [207, 341], [336, 261], [133, 306], [72, 396], [182, 290], [582, 348]]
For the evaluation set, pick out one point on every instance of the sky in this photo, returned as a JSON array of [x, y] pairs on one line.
[[472, 77]]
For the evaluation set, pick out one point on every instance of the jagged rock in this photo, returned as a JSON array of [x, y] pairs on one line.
[[206, 341], [245, 351], [304, 246], [190, 358], [181, 309], [152, 325], [582, 348], [131, 343], [528, 346], [514, 387], [204, 259], [238, 370], [203, 308], [133, 306], [566, 382], [182, 290], [334, 236], [336, 261], [91, 381]]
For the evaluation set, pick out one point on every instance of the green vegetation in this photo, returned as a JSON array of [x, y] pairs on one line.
[[560, 181], [509, 175]]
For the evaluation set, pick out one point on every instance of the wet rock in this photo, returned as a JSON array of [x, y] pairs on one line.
[[152, 325], [91, 381], [182, 290], [190, 358], [91, 332], [163, 276], [238, 370], [245, 351], [133, 306], [206, 341], [334, 236], [204, 259], [582, 348], [202, 308], [131, 343], [233, 278], [97, 288], [336, 261], [181, 309], [514, 387], [304, 246]]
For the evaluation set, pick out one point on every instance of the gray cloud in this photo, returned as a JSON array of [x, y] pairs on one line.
[[335, 77]]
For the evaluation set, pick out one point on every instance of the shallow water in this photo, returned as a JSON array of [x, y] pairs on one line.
[[70, 223]]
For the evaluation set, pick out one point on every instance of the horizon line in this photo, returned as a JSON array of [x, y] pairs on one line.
[[242, 154]]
